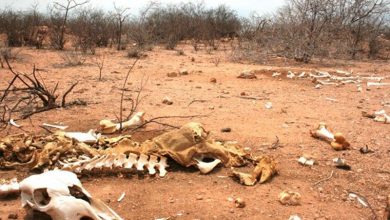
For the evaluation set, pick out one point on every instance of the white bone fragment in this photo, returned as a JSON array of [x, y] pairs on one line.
[[268, 105], [121, 197], [276, 74], [323, 82], [373, 78], [377, 84], [290, 75], [131, 161], [89, 138], [359, 88], [305, 161], [302, 75], [381, 116], [61, 127], [206, 167], [318, 86], [344, 73], [142, 161], [13, 123], [9, 188], [109, 127], [323, 133], [331, 99]]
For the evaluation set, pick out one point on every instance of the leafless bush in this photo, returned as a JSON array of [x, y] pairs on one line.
[[216, 61], [99, 62], [33, 96], [134, 52], [73, 58]]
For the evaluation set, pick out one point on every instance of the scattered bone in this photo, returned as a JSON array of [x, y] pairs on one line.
[[344, 73], [302, 75], [341, 164], [89, 138], [276, 74], [318, 86], [8, 188], [290, 75], [294, 217], [60, 127], [381, 116], [13, 123], [307, 160], [265, 169], [331, 99], [288, 197], [360, 199], [121, 197], [109, 127], [206, 167], [337, 141], [167, 101], [60, 195], [268, 105], [377, 84], [365, 150]]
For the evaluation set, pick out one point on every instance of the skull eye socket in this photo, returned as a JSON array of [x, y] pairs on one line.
[[41, 196], [207, 159], [76, 192]]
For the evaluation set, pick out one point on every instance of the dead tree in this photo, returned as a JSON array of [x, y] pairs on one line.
[[69, 5], [99, 62], [120, 16]]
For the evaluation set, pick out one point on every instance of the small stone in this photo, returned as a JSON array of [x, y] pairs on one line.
[[13, 216], [183, 72], [199, 197], [167, 101], [172, 74], [226, 130], [213, 80], [240, 203], [198, 87], [243, 94]]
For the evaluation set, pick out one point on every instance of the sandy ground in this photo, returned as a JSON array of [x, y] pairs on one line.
[[297, 108]]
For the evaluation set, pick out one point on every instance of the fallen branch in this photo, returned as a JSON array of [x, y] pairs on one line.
[[323, 180]]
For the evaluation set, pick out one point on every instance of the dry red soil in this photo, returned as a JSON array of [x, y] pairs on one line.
[[184, 193]]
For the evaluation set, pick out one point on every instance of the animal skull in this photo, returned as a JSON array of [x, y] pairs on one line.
[[60, 195]]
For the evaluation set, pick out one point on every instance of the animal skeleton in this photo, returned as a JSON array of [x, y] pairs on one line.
[[188, 146]]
